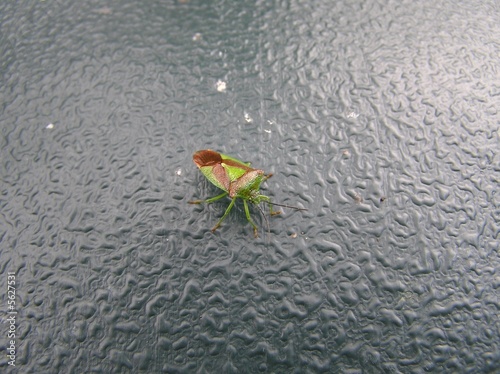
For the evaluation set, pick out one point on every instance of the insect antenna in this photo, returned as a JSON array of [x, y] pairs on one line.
[[287, 206], [265, 219]]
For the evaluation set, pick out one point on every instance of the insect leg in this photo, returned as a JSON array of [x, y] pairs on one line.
[[247, 213], [217, 225], [273, 212], [208, 201], [268, 200]]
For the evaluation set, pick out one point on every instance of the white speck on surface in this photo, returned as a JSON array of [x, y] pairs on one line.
[[268, 131], [248, 119], [50, 126], [352, 115], [221, 86], [197, 37], [178, 172]]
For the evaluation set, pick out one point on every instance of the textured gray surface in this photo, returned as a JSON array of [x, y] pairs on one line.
[[381, 118]]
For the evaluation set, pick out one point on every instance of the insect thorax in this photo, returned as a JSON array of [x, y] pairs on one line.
[[247, 186]]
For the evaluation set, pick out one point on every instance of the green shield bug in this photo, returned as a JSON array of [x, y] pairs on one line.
[[238, 180]]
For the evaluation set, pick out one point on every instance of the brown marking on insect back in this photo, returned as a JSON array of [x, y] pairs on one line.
[[221, 175], [207, 157]]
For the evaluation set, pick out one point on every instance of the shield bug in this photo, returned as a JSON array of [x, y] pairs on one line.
[[238, 180]]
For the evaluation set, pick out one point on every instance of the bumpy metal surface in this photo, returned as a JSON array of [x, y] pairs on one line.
[[380, 117]]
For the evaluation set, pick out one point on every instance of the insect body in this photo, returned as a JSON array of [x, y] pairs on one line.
[[237, 179]]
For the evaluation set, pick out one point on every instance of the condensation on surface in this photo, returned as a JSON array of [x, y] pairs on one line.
[[381, 118]]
